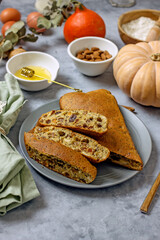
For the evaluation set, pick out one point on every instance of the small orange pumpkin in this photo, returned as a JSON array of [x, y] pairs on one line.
[[83, 22], [137, 72]]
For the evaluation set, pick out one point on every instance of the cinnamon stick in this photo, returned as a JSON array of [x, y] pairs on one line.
[[149, 197], [129, 108]]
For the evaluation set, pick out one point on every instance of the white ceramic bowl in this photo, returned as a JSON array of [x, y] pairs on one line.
[[92, 68], [37, 59]]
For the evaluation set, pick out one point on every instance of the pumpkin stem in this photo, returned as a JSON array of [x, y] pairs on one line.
[[79, 6], [155, 57]]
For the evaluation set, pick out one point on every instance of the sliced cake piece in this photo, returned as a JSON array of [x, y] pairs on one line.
[[59, 158], [87, 122], [87, 146], [117, 139]]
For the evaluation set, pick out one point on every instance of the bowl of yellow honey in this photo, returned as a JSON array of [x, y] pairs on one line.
[[34, 70]]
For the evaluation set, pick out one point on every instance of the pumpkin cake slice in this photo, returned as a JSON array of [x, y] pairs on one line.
[[117, 139], [87, 146], [87, 122], [59, 158]]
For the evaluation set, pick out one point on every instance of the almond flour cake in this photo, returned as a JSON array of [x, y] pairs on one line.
[[117, 138]]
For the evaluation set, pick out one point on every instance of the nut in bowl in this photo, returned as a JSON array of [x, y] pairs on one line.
[[92, 66], [35, 59]]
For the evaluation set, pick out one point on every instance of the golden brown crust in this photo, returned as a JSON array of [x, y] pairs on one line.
[[56, 151], [117, 139]]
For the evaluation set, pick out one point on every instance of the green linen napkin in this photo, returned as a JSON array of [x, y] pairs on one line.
[[17, 185]]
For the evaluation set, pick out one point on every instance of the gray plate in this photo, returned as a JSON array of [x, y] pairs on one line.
[[108, 174]]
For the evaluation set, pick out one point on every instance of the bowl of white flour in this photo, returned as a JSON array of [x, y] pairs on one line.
[[135, 26]]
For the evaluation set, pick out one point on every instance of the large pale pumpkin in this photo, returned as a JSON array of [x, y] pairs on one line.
[[137, 72]]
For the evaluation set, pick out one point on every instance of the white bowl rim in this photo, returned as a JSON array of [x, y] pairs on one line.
[[32, 52], [87, 62]]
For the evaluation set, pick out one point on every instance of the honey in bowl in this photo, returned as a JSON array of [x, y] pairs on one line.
[[40, 73]]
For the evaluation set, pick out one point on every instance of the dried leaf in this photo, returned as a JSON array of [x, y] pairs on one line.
[[30, 38], [43, 23], [33, 30], [58, 20], [7, 46], [21, 32], [54, 5], [53, 15], [62, 3], [13, 37], [16, 27], [47, 11], [1, 38], [1, 53], [40, 5]]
